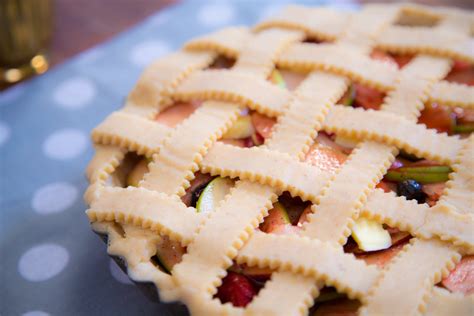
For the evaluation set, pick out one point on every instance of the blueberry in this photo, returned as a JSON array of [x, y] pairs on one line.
[[411, 190]]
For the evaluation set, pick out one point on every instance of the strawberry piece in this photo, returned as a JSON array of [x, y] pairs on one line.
[[263, 124], [368, 98], [460, 65], [402, 60], [438, 117], [237, 289], [461, 279], [464, 76]]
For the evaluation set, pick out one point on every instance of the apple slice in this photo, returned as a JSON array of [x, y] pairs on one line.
[[136, 175], [277, 217], [263, 124], [213, 194], [169, 253], [277, 78], [242, 128], [370, 235]]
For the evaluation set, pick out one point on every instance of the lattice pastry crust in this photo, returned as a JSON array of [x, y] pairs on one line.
[[135, 219]]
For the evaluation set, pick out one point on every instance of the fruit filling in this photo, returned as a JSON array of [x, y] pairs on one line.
[[332, 303], [415, 179], [237, 288]]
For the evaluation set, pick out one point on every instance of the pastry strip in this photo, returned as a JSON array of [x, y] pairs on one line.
[[403, 287], [285, 173], [232, 86], [139, 266], [394, 130], [247, 203], [411, 91], [261, 51], [313, 258], [419, 219], [442, 303], [300, 298], [146, 97], [452, 94], [341, 60], [174, 166], [421, 40], [458, 192], [104, 162], [332, 217], [319, 23], [147, 209], [131, 132], [227, 42]]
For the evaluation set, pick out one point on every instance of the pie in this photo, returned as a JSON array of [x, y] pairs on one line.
[[319, 163]]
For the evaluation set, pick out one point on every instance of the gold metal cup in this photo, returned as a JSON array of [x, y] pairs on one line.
[[25, 33]]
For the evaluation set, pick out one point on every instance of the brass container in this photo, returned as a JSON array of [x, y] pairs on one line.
[[25, 34]]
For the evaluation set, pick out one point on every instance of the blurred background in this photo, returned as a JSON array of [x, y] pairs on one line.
[[63, 28]]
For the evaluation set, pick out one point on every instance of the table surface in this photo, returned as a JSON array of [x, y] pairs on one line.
[[50, 261]]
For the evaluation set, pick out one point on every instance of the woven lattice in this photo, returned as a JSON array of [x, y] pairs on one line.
[[135, 217]]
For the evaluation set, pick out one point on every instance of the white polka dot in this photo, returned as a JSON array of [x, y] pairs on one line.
[[216, 14], [43, 262], [4, 133], [74, 93], [146, 52], [65, 144], [54, 198], [118, 274], [35, 313]]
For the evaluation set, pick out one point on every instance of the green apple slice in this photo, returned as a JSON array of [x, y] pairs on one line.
[[345, 141], [277, 217], [213, 194], [277, 78], [242, 128], [370, 235]]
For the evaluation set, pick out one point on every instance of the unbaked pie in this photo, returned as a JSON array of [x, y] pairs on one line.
[[318, 163]]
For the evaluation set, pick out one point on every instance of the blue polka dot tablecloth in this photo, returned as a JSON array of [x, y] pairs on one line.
[[50, 261]]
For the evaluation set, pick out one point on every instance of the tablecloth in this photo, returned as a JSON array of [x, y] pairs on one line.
[[50, 261]]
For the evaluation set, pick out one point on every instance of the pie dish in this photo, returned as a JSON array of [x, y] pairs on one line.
[[320, 162]]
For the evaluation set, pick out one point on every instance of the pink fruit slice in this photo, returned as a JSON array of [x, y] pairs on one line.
[[461, 279], [175, 114], [325, 158], [263, 124]]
